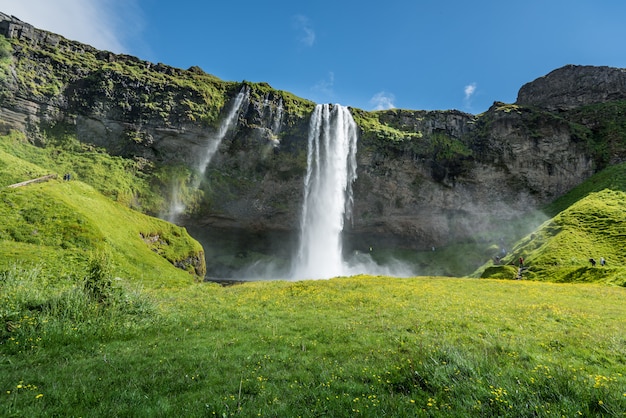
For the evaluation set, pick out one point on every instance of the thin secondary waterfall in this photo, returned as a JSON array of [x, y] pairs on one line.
[[331, 170], [278, 117], [225, 126], [177, 206]]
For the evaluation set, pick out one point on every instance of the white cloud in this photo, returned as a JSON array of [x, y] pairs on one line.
[[469, 90], [303, 25], [383, 101], [104, 24]]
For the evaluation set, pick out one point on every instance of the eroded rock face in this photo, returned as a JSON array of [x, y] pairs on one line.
[[518, 163], [573, 86]]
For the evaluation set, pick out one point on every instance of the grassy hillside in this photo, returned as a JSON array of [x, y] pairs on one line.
[[130, 182], [588, 222], [60, 225], [361, 346]]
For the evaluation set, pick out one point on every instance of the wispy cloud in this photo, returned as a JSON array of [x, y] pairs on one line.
[[469, 91], [306, 34], [383, 101], [103, 24]]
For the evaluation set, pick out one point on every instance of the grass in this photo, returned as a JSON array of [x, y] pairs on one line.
[[133, 183], [62, 223], [88, 286], [70, 220], [587, 223], [362, 346]]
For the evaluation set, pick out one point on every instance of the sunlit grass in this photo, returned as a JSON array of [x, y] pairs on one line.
[[587, 223], [59, 224], [560, 250], [369, 346], [121, 179]]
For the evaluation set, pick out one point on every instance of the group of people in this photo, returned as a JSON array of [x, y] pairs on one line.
[[593, 261]]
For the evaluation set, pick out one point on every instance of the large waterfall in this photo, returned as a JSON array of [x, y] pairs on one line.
[[331, 170], [177, 206]]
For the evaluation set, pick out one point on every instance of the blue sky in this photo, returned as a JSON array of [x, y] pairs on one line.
[[419, 54]]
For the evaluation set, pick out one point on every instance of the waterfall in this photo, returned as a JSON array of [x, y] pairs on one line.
[[225, 126], [177, 206], [331, 170], [278, 118]]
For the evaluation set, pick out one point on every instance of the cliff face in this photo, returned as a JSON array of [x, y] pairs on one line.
[[573, 86], [425, 178], [466, 174]]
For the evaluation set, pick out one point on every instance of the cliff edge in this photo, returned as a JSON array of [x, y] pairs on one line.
[[573, 86]]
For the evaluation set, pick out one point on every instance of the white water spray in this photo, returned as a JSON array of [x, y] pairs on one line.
[[177, 206], [331, 170]]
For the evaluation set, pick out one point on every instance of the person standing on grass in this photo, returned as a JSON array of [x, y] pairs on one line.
[[602, 261]]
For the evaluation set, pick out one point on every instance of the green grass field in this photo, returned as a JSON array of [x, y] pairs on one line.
[[362, 346]]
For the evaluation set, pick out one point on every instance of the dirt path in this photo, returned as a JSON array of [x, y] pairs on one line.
[[37, 180]]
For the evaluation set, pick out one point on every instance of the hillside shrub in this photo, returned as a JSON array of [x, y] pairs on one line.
[[98, 283]]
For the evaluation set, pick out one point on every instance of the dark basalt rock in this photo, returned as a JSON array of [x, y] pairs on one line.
[[573, 86]]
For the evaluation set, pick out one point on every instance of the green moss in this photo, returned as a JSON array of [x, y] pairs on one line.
[[507, 108], [445, 148], [6, 53], [294, 106], [373, 129], [160, 92], [604, 130]]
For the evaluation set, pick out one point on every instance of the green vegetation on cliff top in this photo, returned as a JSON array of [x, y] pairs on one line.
[[46, 70], [156, 91]]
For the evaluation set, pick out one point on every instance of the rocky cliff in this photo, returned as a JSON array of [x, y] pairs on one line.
[[573, 86], [425, 178]]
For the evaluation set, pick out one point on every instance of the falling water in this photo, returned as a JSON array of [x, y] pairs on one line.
[[177, 206], [331, 170], [225, 126], [278, 117]]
